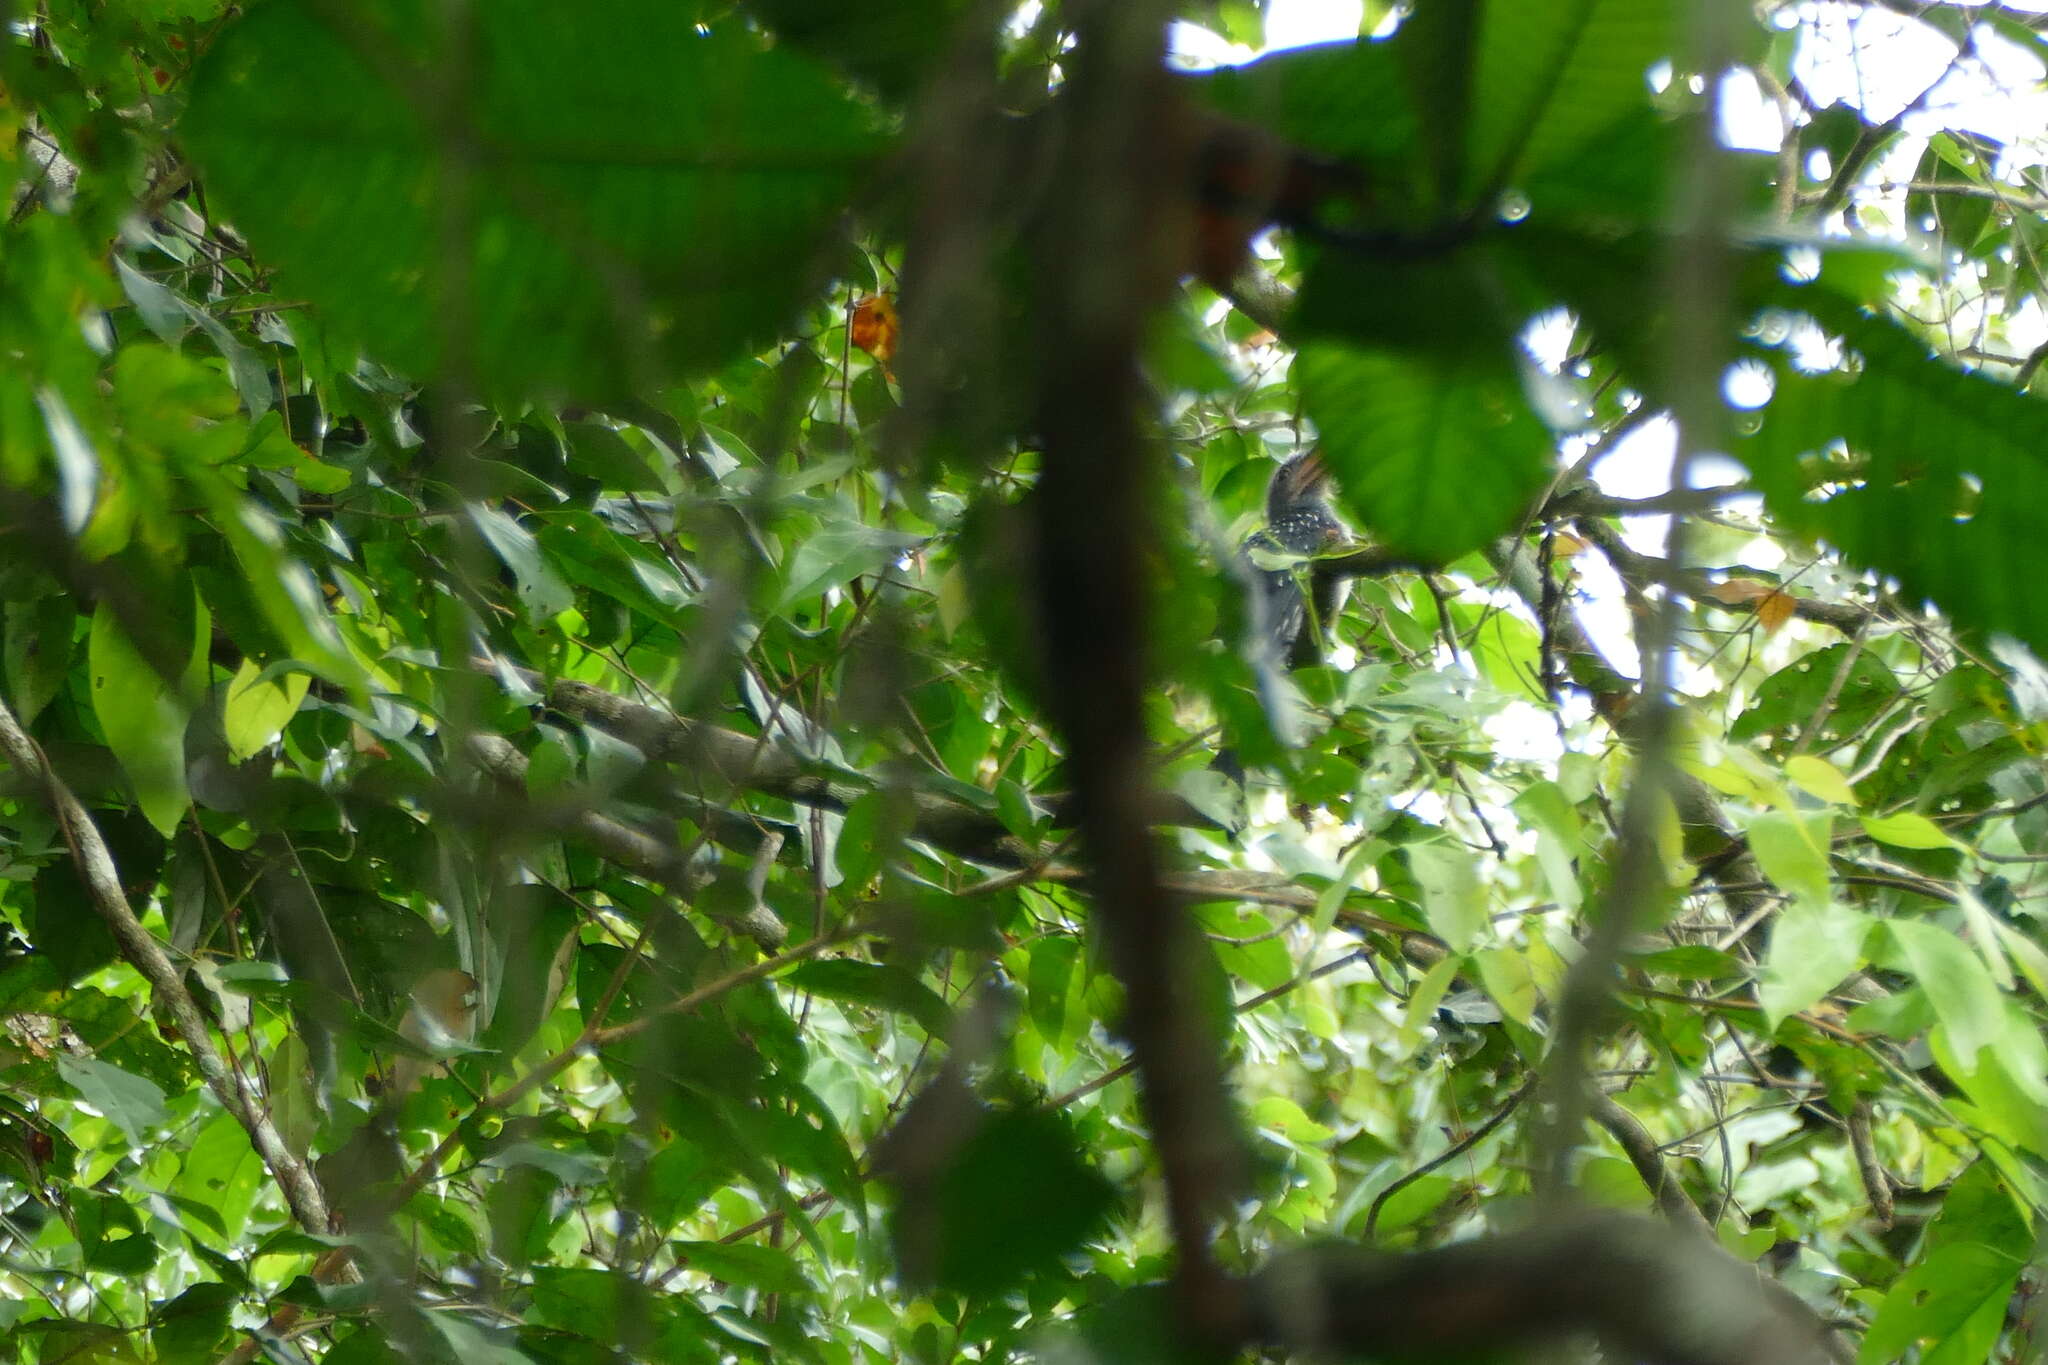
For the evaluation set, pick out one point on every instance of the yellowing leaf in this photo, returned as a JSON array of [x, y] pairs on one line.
[[1820, 778], [1287, 1118], [1732, 779], [258, 708]]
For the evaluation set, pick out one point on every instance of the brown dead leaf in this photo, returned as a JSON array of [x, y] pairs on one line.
[[1774, 611]]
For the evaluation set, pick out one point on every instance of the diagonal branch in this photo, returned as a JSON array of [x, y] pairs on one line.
[[102, 882]]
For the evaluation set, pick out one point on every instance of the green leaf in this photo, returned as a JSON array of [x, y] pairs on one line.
[[1789, 706], [1906, 830], [191, 1325], [75, 938], [1792, 848], [38, 651], [1435, 459], [583, 1296], [891, 46], [877, 985], [1958, 984], [1427, 995], [1286, 1118], [1814, 945], [1958, 163], [1055, 986], [1452, 900], [836, 555], [595, 207], [143, 715], [170, 315], [1958, 1293], [756, 1267], [873, 833], [285, 592], [542, 592], [1019, 1197], [112, 1236], [132, 1103], [2027, 955], [293, 1104], [1344, 100], [1413, 1202], [1555, 77], [1509, 981], [571, 1168], [1691, 961], [1943, 495], [257, 708]]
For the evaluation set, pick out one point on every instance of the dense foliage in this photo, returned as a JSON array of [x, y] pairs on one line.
[[557, 808]]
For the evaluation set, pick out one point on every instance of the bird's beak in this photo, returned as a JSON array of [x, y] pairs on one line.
[[1311, 473]]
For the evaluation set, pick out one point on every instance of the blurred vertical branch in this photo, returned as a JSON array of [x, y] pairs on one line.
[[1697, 307], [1105, 261]]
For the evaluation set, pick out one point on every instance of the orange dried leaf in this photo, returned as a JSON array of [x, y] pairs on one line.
[[875, 327], [1739, 592], [1774, 611]]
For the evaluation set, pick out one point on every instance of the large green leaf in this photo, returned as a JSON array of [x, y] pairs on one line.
[[1958, 1294], [877, 985], [1964, 996], [143, 714], [1019, 1195], [130, 1101], [1434, 458], [1343, 100], [1813, 946], [588, 207], [1555, 78], [1941, 487]]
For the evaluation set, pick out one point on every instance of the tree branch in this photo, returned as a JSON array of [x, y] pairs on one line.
[[1645, 1292], [102, 882], [635, 850]]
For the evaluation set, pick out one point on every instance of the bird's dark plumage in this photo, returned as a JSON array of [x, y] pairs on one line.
[[1298, 522]]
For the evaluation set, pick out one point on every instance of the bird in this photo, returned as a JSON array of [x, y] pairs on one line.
[[1289, 622]]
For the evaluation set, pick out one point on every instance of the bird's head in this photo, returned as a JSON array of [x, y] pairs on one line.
[[1303, 479]]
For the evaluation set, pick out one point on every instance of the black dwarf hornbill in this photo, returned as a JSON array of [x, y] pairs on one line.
[[1291, 625], [1288, 625]]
